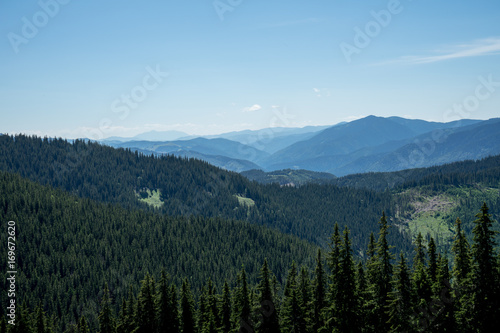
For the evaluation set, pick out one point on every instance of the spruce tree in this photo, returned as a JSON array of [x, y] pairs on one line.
[[400, 299], [225, 311], [433, 264], [187, 314], [305, 290], [106, 319], [486, 288], [83, 326], [269, 321], [443, 301], [242, 304], [319, 291], [380, 277], [422, 287], [462, 280], [165, 306], [146, 307], [344, 309]]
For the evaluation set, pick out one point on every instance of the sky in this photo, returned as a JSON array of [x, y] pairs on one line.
[[97, 69]]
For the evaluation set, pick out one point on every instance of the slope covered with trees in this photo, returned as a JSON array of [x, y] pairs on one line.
[[191, 187], [380, 294], [68, 247]]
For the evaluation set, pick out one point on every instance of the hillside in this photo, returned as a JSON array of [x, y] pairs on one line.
[[69, 247], [192, 187]]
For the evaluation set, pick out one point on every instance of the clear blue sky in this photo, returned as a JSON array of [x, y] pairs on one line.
[[98, 68]]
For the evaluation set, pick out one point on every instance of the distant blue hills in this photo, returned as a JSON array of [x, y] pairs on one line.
[[371, 144]]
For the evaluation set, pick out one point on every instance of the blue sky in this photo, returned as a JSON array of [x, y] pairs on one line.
[[103, 68]]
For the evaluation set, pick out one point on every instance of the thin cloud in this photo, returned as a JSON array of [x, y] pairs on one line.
[[477, 48], [255, 107]]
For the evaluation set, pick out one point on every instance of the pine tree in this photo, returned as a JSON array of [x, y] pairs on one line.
[[242, 304], [443, 301], [22, 321], [343, 306], [225, 311], [380, 277], [422, 287], [319, 291], [173, 316], [432, 267], [462, 280], [83, 327], [292, 316], [306, 300], [40, 320], [486, 289], [146, 307], [400, 299], [269, 321], [106, 319], [165, 306], [187, 321]]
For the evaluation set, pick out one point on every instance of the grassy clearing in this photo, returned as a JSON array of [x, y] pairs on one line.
[[153, 198], [247, 202], [431, 223]]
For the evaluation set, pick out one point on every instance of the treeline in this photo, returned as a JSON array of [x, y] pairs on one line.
[[341, 295], [485, 171], [67, 247], [191, 187]]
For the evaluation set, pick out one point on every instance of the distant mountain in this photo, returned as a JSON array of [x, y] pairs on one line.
[[223, 153], [371, 144], [471, 142], [272, 139], [150, 136], [339, 145]]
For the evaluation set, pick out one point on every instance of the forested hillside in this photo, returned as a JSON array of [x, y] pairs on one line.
[[69, 247], [189, 187]]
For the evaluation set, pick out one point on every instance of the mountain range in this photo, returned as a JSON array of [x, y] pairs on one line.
[[370, 144]]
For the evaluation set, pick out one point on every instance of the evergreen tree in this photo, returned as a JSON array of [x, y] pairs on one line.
[[444, 304], [146, 307], [486, 288], [433, 264], [83, 327], [187, 321], [400, 299], [22, 322], [225, 310], [106, 319], [243, 306], [462, 280], [269, 321], [306, 300], [40, 320], [319, 291], [380, 277], [343, 306], [422, 287], [165, 306], [292, 315]]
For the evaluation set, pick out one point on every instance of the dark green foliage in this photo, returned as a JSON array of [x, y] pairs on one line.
[[485, 274], [400, 299], [145, 317], [225, 310], [243, 304], [379, 279], [269, 321], [187, 313], [319, 293], [192, 187], [71, 246], [106, 318]]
